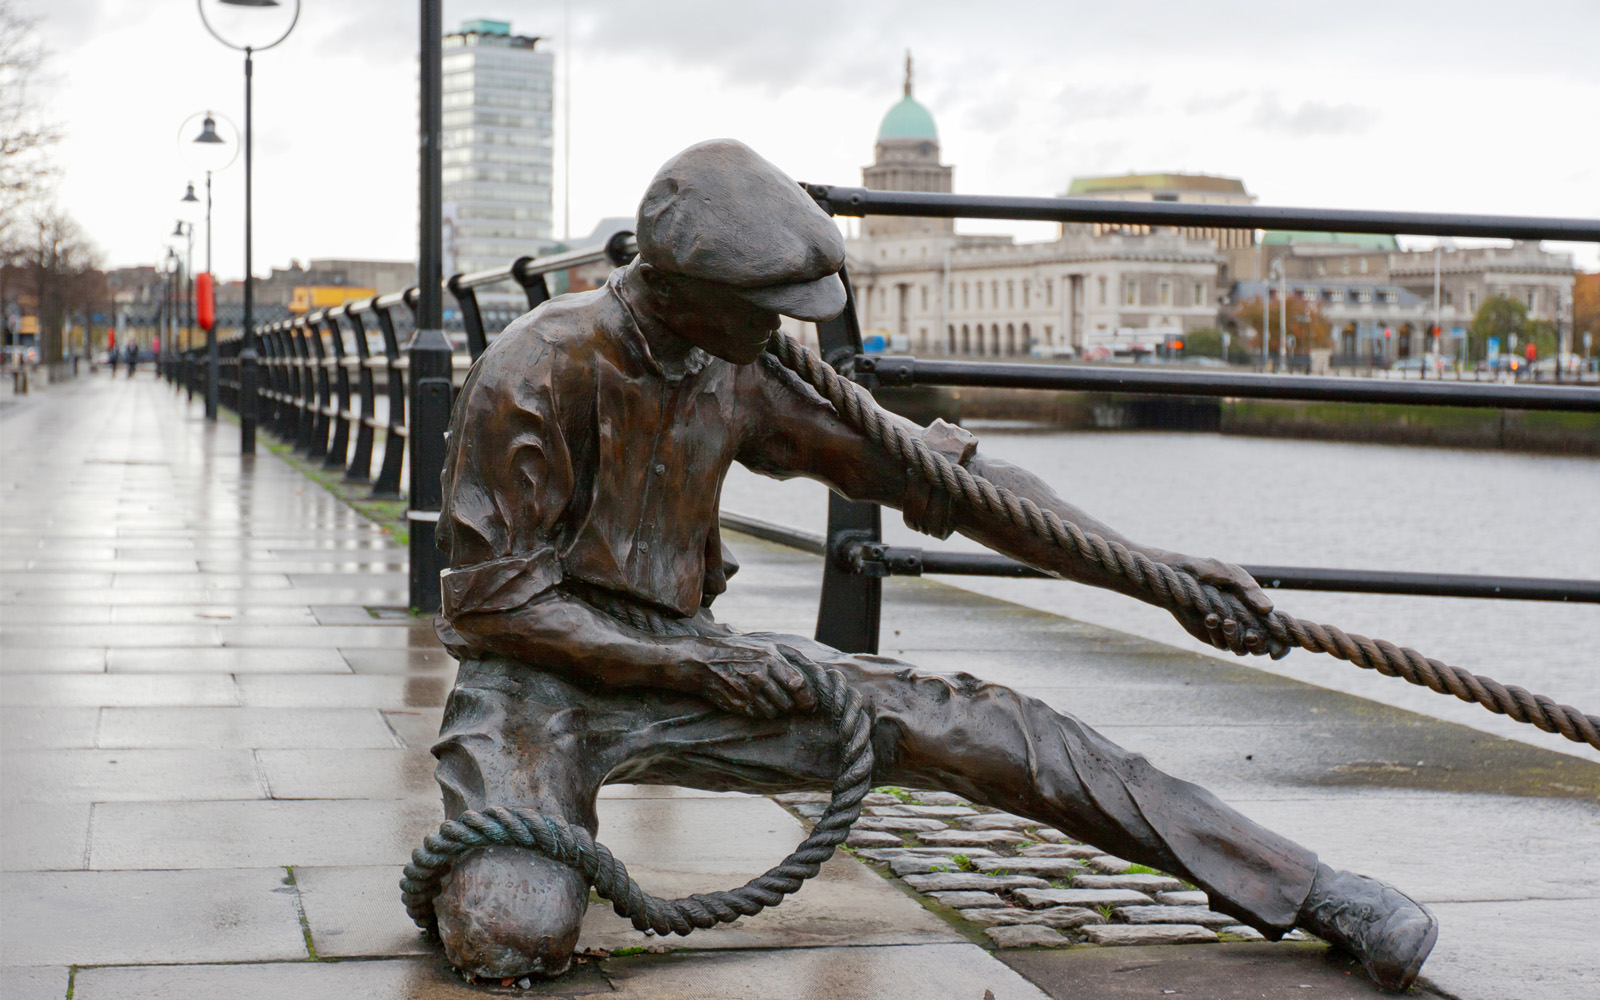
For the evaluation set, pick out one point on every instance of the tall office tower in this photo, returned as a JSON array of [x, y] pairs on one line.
[[498, 145]]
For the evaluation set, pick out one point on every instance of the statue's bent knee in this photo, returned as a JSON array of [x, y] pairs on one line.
[[511, 912]]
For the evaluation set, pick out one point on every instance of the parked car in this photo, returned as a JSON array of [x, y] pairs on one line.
[[1433, 363]]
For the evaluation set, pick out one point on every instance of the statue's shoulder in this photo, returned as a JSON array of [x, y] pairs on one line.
[[567, 330]]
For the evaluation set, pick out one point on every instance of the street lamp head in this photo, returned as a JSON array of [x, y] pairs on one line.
[[249, 25], [188, 194], [208, 132]]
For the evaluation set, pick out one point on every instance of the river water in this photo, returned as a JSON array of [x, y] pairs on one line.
[[1303, 503]]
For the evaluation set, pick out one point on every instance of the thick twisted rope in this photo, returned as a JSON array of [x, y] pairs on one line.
[[1161, 584], [572, 845]]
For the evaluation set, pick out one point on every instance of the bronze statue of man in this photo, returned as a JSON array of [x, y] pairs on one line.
[[586, 457]]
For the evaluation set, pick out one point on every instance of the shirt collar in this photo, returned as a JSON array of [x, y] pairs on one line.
[[694, 362]]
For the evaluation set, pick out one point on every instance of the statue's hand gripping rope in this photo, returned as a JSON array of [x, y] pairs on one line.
[[573, 846], [1163, 585]]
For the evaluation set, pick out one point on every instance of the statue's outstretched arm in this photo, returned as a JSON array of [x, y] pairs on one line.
[[561, 633]]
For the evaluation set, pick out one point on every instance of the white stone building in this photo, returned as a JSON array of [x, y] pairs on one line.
[[929, 290]]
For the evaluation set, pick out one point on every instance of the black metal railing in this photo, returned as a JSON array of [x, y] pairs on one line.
[[323, 375], [336, 384]]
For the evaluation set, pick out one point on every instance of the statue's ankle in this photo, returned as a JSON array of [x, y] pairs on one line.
[[507, 912]]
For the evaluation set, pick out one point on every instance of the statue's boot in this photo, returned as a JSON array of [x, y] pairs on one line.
[[1390, 933], [508, 912]]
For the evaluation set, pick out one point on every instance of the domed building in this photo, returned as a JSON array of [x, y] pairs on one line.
[[906, 158], [930, 290]]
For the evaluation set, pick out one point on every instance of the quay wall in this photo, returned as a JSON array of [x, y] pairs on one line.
[[1379, 423]]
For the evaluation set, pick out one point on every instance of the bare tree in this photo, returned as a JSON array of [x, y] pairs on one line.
[[25, 134], [25, 139], [60, 268]]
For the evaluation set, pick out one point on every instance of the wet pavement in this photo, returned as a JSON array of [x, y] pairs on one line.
[[213, 761]]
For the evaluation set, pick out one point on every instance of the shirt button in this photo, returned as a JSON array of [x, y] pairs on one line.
[[661, 470], [644, 546]]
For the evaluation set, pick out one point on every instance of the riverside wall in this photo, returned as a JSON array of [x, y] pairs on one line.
[[1377, 423]]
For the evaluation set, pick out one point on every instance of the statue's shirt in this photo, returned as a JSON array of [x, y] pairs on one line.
[[574, 456]]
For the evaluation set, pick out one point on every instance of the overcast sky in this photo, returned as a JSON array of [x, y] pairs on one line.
[[1401, 104]]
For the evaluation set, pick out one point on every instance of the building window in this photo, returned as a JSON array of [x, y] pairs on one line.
[[924, 298], [1027, 293], [1050, 292], [1361, 265], [980, 294], [951, 333], [1344, 266], [1130, 292], [1102, 281], [966, 300], [1200, 293], [1049, 334], [1365, 295], [1472, 301], [1164, 292], [994, 296], [1389, 296], [1533, 301], [950, 296], [1011, 294]]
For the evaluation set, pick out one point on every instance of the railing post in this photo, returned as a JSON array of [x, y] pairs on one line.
[[339, 447], [387, 486], [360, 468], [471, 316], [430, 375], [847, 613]]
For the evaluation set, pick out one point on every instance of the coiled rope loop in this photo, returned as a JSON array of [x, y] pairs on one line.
[[1161, 584], [573, 846]]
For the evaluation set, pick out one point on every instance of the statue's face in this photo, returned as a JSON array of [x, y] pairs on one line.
[[714, 318]]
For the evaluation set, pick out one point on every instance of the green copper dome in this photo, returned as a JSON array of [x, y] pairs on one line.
[[908, 120]]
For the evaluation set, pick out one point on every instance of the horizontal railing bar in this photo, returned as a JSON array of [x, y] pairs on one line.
[[908, 561], [805, 541], [898, 370], [912, 561], [856, 201]]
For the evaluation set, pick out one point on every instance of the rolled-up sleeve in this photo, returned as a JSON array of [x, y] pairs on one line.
[[507, 481]]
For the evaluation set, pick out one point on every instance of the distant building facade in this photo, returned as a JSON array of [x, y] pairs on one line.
[[498, 146], [931, 290], [1196, 189], [1380, 298]]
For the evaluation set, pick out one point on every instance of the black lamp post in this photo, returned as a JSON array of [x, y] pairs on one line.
[[249, 401], [211, 152], [185, 231]]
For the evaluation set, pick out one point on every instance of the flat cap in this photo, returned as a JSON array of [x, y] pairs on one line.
[[719, 212]]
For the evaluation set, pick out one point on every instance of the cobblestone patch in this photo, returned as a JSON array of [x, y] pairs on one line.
[[1023, 884]]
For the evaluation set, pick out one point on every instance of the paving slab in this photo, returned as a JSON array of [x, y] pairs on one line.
[[344, 690], [49, 691], [1230, 972], [914, 972], [250, 728], [44, 836], [166, 660], [322, 773], [44, 727], [99, 918], [35, 776], [201, 835], [35, 982]]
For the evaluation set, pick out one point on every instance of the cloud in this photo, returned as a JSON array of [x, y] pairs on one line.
[[1088, 103], [1312, 118]]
